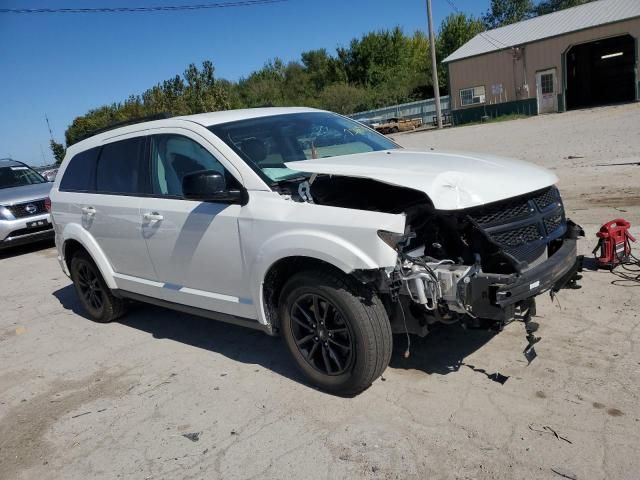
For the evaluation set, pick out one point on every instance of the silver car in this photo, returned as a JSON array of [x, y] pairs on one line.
[[24, 205]]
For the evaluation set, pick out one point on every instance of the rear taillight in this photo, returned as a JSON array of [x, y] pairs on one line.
[[47, 204]]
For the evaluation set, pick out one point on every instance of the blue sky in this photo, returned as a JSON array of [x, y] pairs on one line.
[[65, 64]]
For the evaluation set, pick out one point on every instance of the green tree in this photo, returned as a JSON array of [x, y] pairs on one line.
[[58, 151], [322, 68], [343, 98], [264, 88], [455, 30], [377, 69], [550, 6], [505, 12], [195, 92]]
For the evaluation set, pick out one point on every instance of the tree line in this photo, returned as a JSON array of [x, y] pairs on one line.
[[380, 68]]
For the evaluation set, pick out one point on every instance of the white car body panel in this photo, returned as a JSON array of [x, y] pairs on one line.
[[272, 228], [74, 231], [216, 256], [196, 253], [206, 255], [453, 181]]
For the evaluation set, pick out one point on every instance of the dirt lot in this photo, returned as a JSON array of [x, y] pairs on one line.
[[81, 400]]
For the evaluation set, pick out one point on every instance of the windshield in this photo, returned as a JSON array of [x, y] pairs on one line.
[[267, 143], [18, 176]]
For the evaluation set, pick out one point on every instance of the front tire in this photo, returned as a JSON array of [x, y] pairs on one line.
[[336, 329], [94, 294]]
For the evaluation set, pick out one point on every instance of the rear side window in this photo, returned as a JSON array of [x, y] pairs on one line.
[[79, 175], [118, 169]]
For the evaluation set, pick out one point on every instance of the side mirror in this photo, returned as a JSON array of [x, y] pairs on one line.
[[210, 186]]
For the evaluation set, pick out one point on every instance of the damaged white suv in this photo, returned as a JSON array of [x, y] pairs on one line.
[[307, 224]]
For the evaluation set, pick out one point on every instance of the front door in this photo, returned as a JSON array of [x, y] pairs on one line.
[[194, 246], [547, 91]]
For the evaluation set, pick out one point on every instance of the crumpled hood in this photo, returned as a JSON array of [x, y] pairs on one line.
[[25, 193], [452, 180]]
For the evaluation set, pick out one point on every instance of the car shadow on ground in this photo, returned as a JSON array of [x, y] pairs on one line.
[[441, 352], [241, 344], [10, 252]]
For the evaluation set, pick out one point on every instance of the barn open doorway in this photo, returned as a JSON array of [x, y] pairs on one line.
[[601, 72]]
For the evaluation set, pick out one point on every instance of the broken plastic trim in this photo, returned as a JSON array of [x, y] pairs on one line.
[[391, 238]]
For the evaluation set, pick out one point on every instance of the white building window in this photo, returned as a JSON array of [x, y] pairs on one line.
[[472, 96], [546, 80]]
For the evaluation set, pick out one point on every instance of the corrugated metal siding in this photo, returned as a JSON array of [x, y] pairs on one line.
[[592, 14], [498, 67], [425, 109]]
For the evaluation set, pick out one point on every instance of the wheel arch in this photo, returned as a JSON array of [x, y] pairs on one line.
[[276, 277], [75, 239]]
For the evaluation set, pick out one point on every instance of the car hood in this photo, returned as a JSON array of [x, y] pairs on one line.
[[451, 180], [25, 193]]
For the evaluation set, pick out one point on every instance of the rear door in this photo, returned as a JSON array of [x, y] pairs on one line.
[[194, 246], [108, 207]]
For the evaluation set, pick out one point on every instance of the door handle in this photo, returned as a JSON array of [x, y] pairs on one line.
[[152, 217], [89, 211]]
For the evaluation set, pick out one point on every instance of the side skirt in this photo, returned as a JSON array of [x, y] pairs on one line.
[[222, 317]]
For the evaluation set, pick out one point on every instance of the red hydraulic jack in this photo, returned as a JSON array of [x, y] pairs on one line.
[[614, 243]]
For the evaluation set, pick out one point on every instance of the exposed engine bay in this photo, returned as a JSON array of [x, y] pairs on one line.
[[480, 265]]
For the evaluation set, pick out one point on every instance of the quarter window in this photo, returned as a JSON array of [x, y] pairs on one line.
[[472, 96], [173, 157], [79, 176], [118, 168]]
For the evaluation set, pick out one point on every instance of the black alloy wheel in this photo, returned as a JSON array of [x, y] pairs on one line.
[[336, 329], [95, 296], [321, 334], [91, 291]]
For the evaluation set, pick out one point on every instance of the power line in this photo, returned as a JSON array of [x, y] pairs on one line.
[[492, 40], [160, 8], [453, 5]]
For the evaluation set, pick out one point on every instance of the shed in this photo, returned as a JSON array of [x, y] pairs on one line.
[[574, 58]]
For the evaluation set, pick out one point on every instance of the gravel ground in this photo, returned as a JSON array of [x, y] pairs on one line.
[[166, 395]]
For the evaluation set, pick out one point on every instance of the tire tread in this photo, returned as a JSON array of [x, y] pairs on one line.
[[372, 319], [114, 307]]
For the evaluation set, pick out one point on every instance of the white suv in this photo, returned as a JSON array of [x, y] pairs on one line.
[[305, 223]]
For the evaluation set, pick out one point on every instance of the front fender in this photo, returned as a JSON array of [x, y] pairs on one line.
[[319, 245], [73, 231]]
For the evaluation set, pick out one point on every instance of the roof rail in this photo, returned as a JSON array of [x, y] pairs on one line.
[[132, 121]]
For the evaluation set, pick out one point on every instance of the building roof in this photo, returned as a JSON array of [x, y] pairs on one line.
[[589, 15]]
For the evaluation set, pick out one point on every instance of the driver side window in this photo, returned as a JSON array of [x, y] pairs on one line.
[[173, 157]]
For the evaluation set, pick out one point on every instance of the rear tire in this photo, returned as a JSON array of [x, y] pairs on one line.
[[336, 329], [94, 294]]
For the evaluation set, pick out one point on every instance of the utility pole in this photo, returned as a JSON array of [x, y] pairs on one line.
[[434, 65]]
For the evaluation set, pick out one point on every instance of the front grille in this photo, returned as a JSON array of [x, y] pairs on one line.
[[553, 222], [546, 198], [21, 210], [499, 213], [518, 236], [524, 226], [29, 231]]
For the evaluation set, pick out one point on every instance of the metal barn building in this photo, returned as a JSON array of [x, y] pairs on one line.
[[579, 57]]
